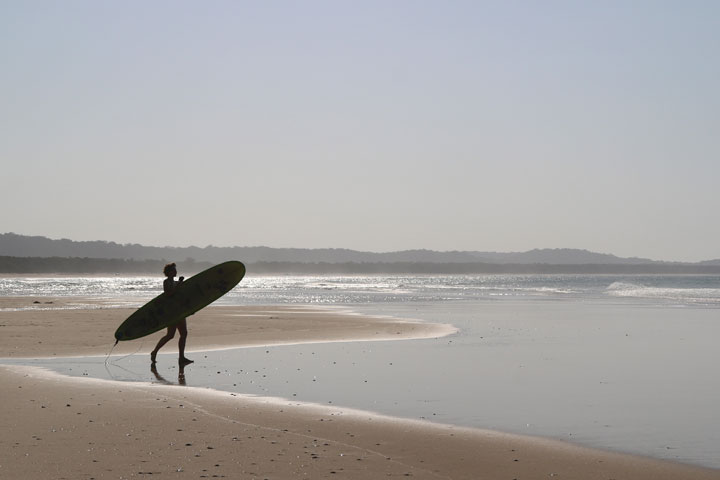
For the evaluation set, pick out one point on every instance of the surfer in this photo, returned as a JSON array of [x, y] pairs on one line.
[[169, 284]]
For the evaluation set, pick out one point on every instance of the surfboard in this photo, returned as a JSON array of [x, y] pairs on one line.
[[189, 296]]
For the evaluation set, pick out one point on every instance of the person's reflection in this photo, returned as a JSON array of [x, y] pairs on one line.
[[160, 378]]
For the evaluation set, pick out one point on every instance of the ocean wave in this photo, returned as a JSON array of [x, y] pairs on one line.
[[681, 295]]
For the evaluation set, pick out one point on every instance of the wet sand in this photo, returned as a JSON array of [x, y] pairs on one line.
[[59, 427]]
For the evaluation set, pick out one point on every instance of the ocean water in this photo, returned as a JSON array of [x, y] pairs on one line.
[[626, 363], [667, 290]]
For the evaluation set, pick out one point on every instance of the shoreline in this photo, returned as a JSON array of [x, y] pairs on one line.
[[58, 425]]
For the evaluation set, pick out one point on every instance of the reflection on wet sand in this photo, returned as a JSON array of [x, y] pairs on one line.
[[160, 378]]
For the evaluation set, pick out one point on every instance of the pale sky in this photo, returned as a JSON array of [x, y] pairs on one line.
[[370, 125]]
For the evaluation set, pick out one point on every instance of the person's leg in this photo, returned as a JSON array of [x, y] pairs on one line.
[[168, 336], [182, 329]]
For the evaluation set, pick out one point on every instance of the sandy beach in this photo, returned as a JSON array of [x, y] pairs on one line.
[[83, 428]]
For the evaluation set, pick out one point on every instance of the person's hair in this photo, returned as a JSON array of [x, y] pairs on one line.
[[168, 267]]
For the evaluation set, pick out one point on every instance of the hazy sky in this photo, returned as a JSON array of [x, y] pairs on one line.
[[371, 125]]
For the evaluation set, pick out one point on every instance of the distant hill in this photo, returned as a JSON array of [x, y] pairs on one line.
[[14, 245], [561, 256], [714, 263], [33, 246], [75, 265]]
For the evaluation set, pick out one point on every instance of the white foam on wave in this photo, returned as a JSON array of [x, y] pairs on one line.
[[682, 295]]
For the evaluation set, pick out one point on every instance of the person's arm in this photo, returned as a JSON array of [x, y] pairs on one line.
[[169, 285]]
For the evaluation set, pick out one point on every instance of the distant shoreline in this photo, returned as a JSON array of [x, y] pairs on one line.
[[94, 266]]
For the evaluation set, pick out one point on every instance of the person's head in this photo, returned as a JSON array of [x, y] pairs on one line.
[[170, 270]]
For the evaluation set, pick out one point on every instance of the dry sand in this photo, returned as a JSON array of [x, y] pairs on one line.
[[79, 326], [56, 427]]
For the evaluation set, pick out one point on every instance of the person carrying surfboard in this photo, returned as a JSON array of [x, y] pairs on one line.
[[169, 285]]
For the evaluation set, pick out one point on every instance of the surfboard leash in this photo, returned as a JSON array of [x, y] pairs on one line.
[[110, 352], [126, 356]]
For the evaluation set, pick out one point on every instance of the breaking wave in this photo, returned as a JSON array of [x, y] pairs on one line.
[[688, 295]]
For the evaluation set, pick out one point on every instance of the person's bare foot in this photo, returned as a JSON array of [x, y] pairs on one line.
[[185, 361]]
